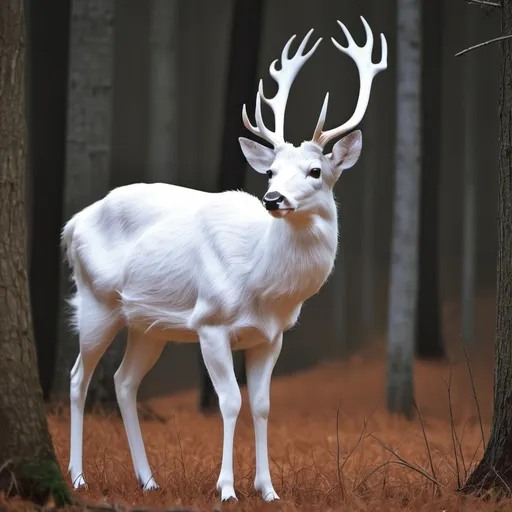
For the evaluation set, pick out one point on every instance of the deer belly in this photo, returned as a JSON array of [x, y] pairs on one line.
[[247, 337]]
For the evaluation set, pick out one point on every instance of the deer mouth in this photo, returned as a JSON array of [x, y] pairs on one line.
[[279, 213]]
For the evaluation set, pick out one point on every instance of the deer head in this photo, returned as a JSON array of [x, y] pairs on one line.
[[301, 177]]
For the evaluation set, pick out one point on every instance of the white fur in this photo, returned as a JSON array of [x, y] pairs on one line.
[[178, 264], [183, 265]]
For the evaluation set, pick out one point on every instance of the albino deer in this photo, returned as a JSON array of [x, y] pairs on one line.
[[222, 269]]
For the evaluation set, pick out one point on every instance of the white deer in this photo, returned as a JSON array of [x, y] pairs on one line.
[[221, 269]]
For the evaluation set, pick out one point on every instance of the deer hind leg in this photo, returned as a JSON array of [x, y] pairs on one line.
[[218, 359], [140, 356], [260, 362], [97, 325]]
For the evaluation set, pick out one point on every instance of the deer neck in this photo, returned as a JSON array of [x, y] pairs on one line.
[[297, 253]]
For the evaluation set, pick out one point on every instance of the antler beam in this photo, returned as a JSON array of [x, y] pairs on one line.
[[362, 55], [284, 78]]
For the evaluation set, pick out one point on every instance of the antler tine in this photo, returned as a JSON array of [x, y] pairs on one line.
[[284, 78], [384, 59], [362, 56], [321, 118], [368, 32]]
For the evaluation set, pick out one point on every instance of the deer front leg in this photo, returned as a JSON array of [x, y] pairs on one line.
[[218, 360], [260, 362]]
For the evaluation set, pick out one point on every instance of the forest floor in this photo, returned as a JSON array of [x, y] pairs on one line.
[[331, 441], [314, 464]]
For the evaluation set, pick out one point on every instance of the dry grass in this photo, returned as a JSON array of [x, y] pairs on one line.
[[309, 472]]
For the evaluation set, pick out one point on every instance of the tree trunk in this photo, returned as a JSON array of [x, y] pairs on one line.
[[48, 34], [26, 452], [88, 163], [470, 143], [404, 256], [494, 471], [429, 337], [163, 121], [367, 247], [243, 62]]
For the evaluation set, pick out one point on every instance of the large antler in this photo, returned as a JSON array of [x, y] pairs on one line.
[[284, 78], [362, 56]]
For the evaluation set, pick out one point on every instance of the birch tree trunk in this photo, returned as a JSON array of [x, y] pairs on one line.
[[404, 257], [493, 472], [88, 161], [27, 460]]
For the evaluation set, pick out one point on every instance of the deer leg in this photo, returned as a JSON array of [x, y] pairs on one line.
[[140, 356], [97, 327], [218, 359], [260, 362]]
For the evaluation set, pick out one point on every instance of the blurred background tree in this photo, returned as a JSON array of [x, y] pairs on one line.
[[406, 227]]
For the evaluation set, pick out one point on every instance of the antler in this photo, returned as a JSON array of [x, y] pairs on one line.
[[284, 78], [362, 56]]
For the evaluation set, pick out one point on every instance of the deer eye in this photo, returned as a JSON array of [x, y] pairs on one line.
[[315, 172], [270, 173]]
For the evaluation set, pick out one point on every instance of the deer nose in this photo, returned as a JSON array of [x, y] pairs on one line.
[[272, 200]]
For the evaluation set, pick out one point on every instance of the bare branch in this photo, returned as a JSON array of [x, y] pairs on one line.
[[474, 395], [342, 490], [484, 2], [404, 463], [361, 438], [452, 425], [427, 444], [485, 43]]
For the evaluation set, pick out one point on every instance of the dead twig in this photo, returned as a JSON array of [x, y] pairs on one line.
[[427, 444], [354, 448], [474, 455], [361, 437], [485, 43], [500, 478], [374, 470], [404, 463], [452, 425], [475, 396], [342, 489]]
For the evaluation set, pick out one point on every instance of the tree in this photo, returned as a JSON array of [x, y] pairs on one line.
[[469, 225], [429, 336], [88, 158], [48, 33], [244, 49], [493, 471], [163, 123], [404, 251], [26, 451]]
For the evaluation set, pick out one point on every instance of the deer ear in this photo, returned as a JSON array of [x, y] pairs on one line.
[[260, 157], [346, 152]]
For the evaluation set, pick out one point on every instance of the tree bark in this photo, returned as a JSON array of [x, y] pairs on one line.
[[495, 469], [88, 163], [404, 256], [429, 337], [26, 452], [243, 62], [48, 34]]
